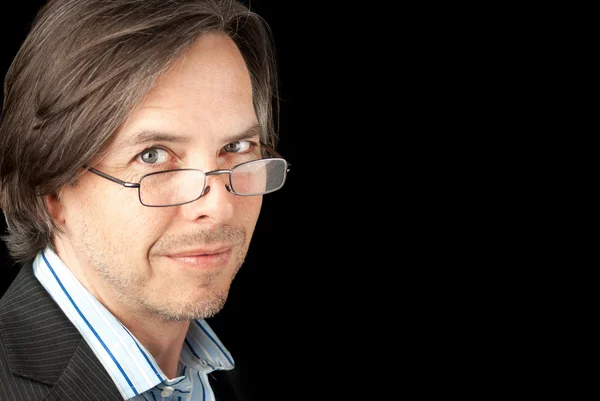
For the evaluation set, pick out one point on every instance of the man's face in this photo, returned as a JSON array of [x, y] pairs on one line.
[[173, 262]]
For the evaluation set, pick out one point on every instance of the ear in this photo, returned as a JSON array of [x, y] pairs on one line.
[[55, 208]]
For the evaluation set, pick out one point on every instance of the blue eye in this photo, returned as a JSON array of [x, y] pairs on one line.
[[154, 155], [237, 147]]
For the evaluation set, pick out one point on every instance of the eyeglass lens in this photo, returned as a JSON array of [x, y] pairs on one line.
[[180, 186]]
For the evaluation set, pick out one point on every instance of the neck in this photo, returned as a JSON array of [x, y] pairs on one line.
[[163, 339]]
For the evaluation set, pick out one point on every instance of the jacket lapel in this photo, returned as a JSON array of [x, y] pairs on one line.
[[43, 345]]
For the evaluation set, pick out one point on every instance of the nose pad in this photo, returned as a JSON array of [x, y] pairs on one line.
[[207, 190]]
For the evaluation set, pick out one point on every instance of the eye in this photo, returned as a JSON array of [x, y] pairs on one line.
[[154, 156], [238, 147]]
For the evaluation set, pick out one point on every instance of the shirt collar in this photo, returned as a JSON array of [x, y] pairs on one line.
[[127, 361]]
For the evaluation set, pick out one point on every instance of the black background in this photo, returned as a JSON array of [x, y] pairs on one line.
[[262, 322]]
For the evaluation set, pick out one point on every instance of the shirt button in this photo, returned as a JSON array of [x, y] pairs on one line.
[[167, 391]]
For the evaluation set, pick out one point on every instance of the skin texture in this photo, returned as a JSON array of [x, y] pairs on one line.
[[146, 264]]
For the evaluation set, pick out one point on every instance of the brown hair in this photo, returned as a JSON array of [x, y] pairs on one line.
[[79, 73]]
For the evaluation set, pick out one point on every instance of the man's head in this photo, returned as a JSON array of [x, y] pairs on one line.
[[131, 88], [80, 72]]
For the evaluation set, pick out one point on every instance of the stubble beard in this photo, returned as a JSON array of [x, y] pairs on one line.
[[201, 307], [134, 297]]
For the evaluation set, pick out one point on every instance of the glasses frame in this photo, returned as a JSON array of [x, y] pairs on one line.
[[206, 187]]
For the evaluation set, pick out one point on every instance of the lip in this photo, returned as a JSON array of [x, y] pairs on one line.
[[199, 252], [202, 258]]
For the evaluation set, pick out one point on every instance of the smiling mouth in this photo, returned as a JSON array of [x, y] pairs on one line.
[[212, 260]]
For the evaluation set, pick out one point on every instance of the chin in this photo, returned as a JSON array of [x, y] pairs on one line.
[[193, 308]]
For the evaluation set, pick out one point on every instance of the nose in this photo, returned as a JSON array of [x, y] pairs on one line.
[[216, 204]]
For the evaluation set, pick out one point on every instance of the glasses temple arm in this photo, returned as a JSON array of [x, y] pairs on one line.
[[111, 178]]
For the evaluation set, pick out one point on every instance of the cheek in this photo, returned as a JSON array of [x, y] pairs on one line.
[[117, 216], [141, 226], [248, 210]]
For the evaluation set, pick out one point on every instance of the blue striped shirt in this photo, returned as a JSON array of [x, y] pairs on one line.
[[130, 365]]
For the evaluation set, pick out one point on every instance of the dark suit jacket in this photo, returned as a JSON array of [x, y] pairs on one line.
[[43, 356]]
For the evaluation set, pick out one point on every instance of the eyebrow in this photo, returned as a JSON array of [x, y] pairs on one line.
[[254, 130], [150, 136]]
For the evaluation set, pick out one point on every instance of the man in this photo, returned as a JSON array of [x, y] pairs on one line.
[[136, 143]]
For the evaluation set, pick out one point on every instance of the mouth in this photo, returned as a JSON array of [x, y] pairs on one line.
[[202, 258]]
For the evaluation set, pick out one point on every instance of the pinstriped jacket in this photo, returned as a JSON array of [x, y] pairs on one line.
[[43, 356]]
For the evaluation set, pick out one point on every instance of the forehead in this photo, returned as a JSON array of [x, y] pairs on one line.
[[212, 65], [206, 91]]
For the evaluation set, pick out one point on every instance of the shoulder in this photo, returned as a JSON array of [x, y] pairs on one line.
[[23, 285], [35, 333], [15, 387], [26, 314]]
